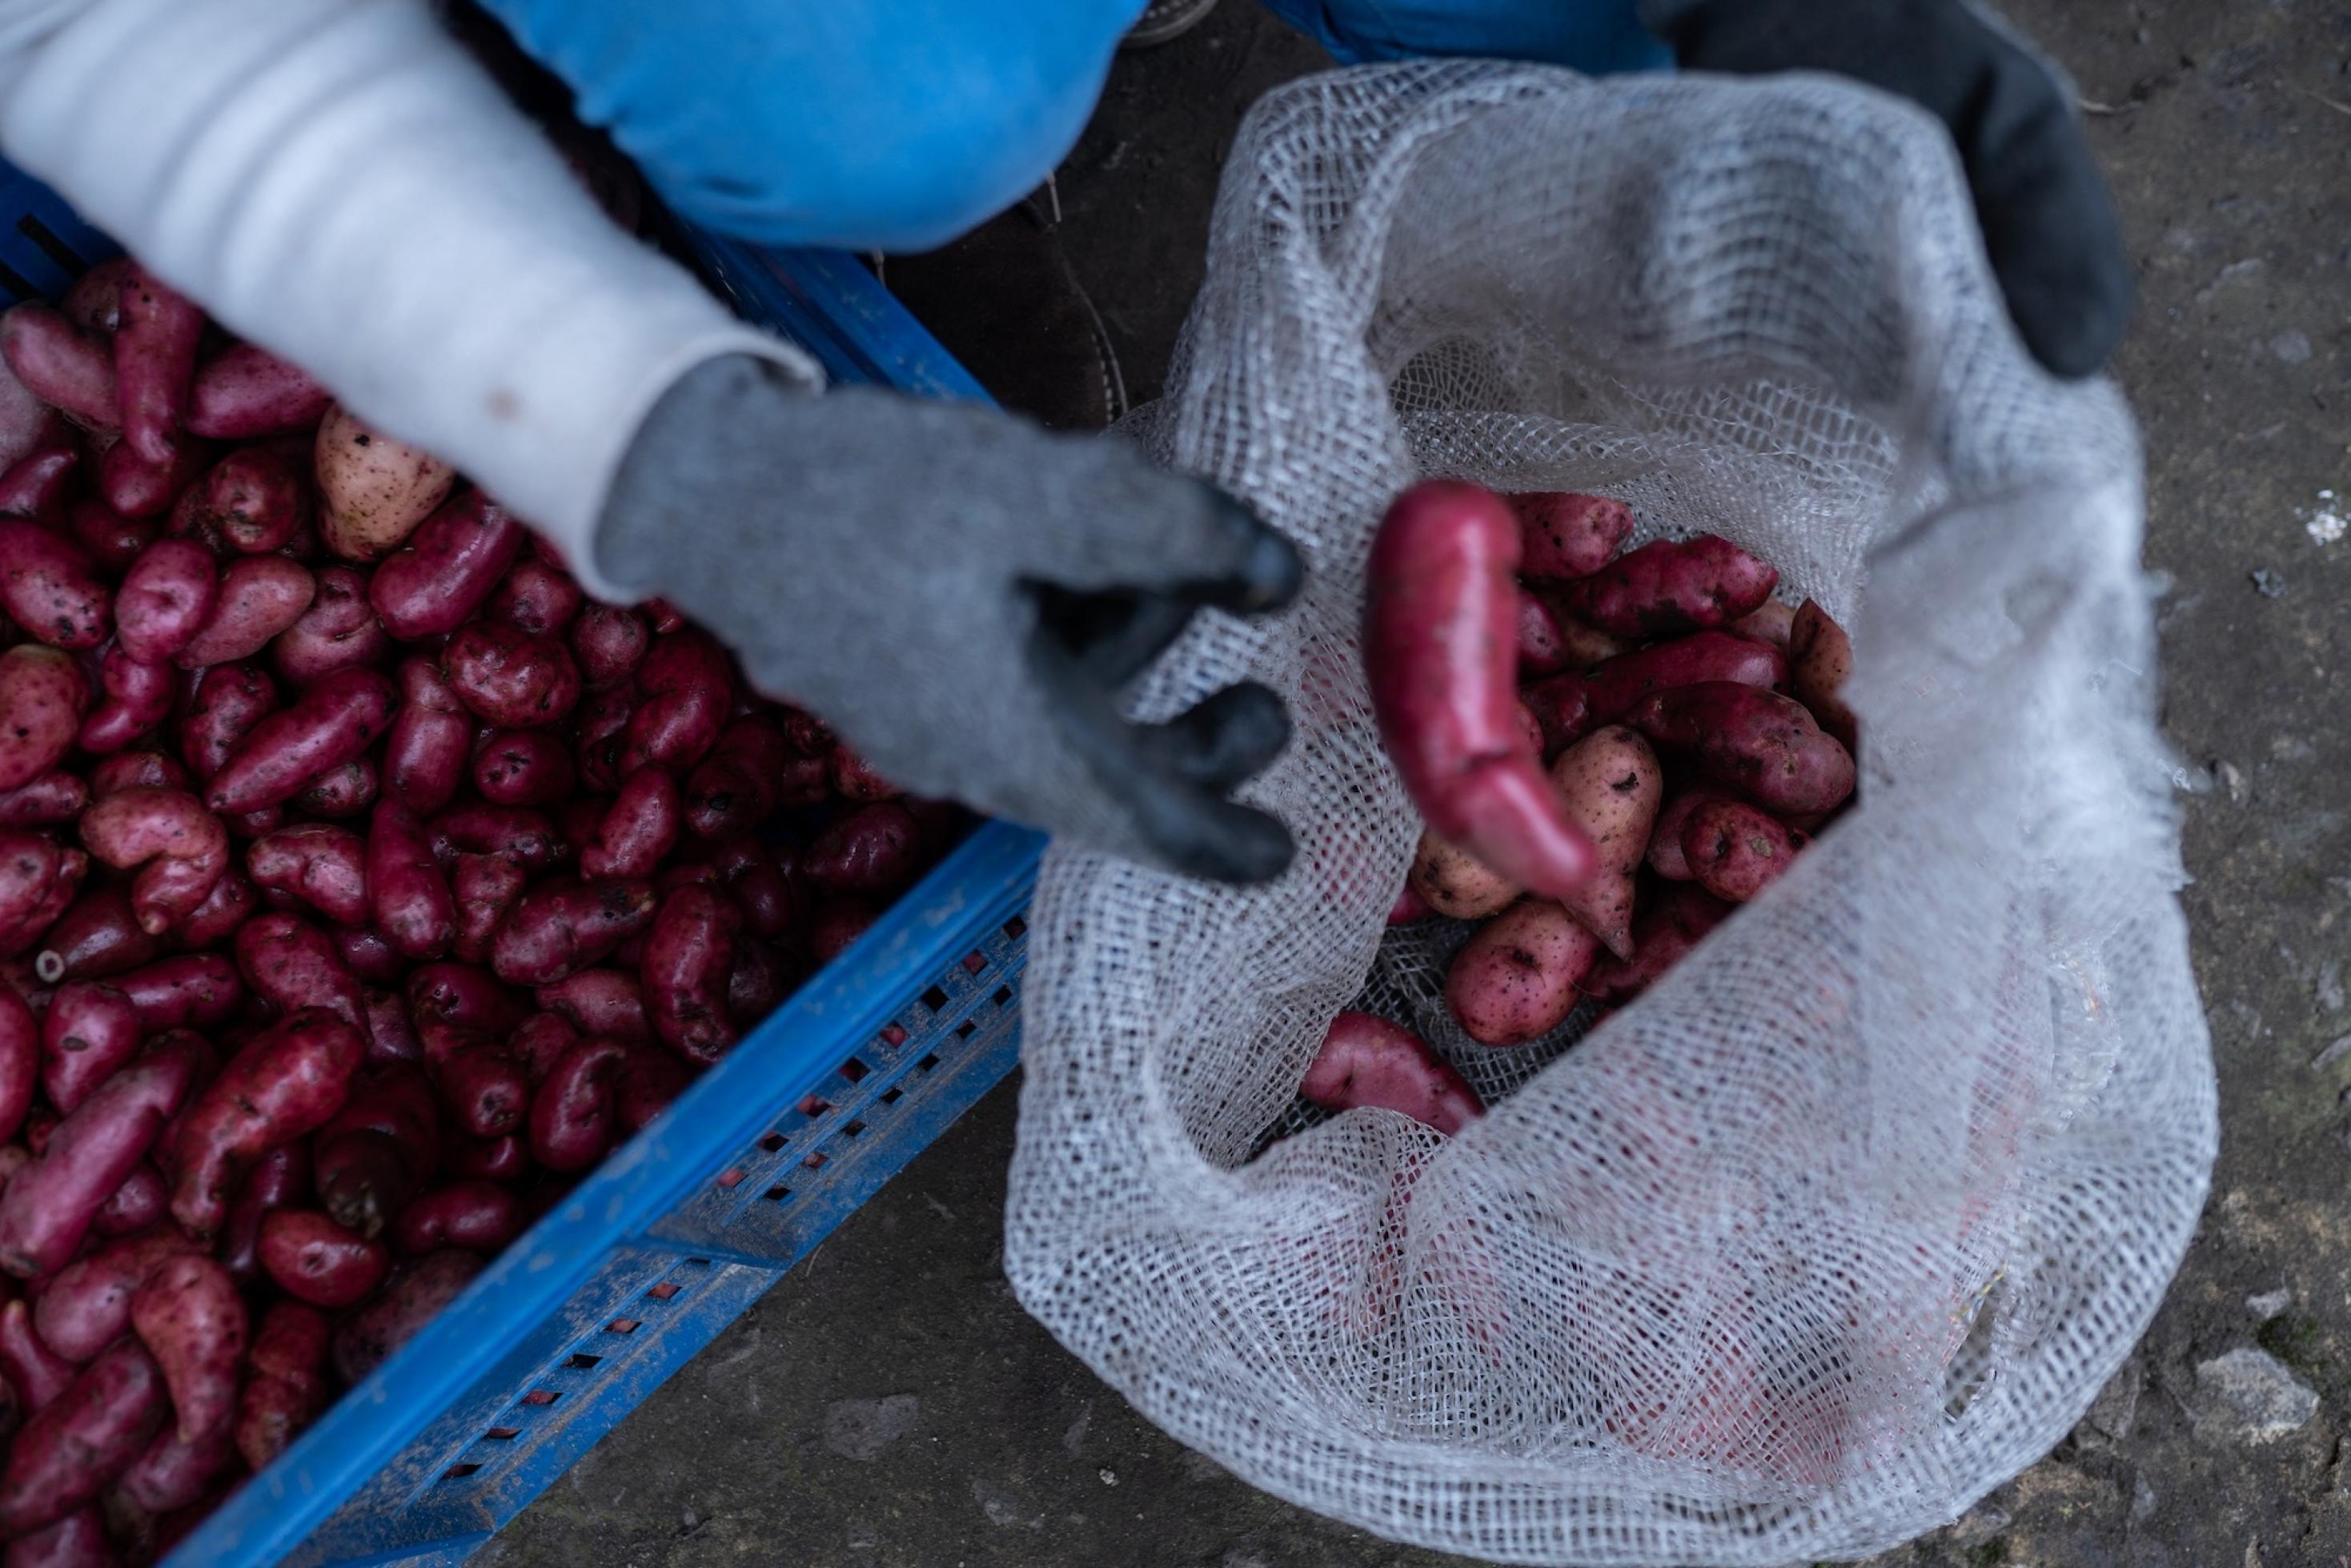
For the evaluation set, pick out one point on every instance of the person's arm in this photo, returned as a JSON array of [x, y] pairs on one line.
[[338, 181]]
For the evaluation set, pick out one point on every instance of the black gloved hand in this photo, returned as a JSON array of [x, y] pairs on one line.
[[2048, 221], [963, 596]]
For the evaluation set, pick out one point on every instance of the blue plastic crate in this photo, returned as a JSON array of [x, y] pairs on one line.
[[681, 1230]]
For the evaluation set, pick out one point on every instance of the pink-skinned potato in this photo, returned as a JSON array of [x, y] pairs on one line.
[[1516, 979], [408, 892], [872, 851], [91, 1030], [367, 1338], [137, 487], [1820, 661], [523, 768], [572, 1122], [171, 1473], [339, 630], [479, 1216], [1668, 586], [685, 686], [609, 641], [320, 864], [36, 1373], [284, 1085], [328, 726], [1616, 686], [291, 965], [280, 1178], [189, 991], [143, 767], [487, 1089], [96, 937], [80, 1540], [1440, 650], [1735, 852], [39, 481], [1772, 621], [73, 1447], [258, 597], [640, 828], [109, 539], [137, 699], [509, 678], [688, 960], [191, 1320], [484, 888], [154, 362], [229, 701], [49, 586], [313, 1259], [599, 1001], [60, 365], [1364, 1059], [1763, 744], [20, 1059], [565, 925], [1564, 535], [1613, 784], [85, 1306], [252, 501], [537, 597], [430, 738], [1455, 883], [522, 834], [45, 801], [180, 849], [343, 792], [288, 1387], [374, 491], [143, 1202], [43, 694]]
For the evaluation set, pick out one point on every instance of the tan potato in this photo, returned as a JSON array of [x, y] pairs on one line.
[[1820, 659], [1612, 784], [1516, 980], [374, 491], [1452, 882]]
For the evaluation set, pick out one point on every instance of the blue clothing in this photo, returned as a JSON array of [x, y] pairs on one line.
[[898, 124]]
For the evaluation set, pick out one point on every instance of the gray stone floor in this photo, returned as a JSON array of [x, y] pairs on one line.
[[890, 1405]]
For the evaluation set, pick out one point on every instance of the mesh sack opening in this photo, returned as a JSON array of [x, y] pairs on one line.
[[1848, 1219]]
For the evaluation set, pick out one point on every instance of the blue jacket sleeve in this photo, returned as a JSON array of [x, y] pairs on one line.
[[1594, 35], [867, 124]]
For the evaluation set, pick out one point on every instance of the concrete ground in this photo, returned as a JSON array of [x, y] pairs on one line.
[[890, 1405]]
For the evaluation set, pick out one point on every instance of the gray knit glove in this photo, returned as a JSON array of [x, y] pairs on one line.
[[963, 597]]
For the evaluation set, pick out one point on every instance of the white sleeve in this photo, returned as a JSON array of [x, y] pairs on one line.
[[337, 181]]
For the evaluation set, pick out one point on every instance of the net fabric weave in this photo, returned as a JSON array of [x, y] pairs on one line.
[[1848, 1218]]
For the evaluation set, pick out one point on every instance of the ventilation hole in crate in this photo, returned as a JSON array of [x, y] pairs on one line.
[[55, 249], [811, 1106], [773, 1142], [974, 962], [1003, 995], [927, 1062], [582, 1362], [853, 1069], [815, 1162], [458, 1472], [893, 1094], [893, 1037], [542, 1397], [851, 1130], [731, 1177], [698, 1262], [966, 1029], [1015, 926], [623, 1326], [662, 1291], [501, 1434], [16, 284], [934, 999], [776, 1194]]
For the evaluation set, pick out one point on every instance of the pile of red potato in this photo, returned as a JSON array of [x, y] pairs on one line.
[[361, 884], [1678, 739]]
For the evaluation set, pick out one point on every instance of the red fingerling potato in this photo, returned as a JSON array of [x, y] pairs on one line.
[[649, 1082], [1664, 856], [180, 848], [1820, 660], [313, 1259], [154, 362], [1439, 649], [229, 701], [245, 392], [638, 831], [479, 1216], [571, 1117], [138, 488], [1665, 932], [39, 879], [1516, 979], [90, 1030], [328, 726], [1616, 686], [36, 1373], [287, 1387], [599, 1001], [46, 800], [280, 1178], [339, 630], [138, 697], [319, 864], [217, 919], [408, 892], [1771, 622], [1563, 535], [366, 1338], [837, 923], [872, 851], [282, 1086], [759, 886], [49, 586], [86, 1305], [686, 686], [341, 792], [49, 1205], [143, 1202], [485, 1088], [75, 1445], [109, 539], [1364, 1059], [258, 597], [447, 569], [523, 768], [565, 925], [374, 491], [252, 501], [191, 1318], [855, 779], [689, 959], [537, 597], [77, 1541], [509, 677], [39, 484], [1670, 585], [131, 769], [1758, 743], [69, 372], [20, 1059], [172, 1474], [609, 641], [380, 1147], [1735, 851], [750, 771], [506, 1160], [524, 836], [44, 694], [291, 965], [424, 759]]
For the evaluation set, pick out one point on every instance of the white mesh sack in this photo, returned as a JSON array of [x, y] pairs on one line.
[[1848, 1219]]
